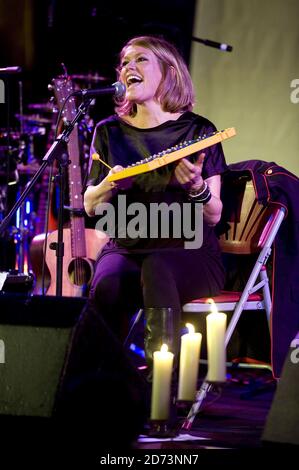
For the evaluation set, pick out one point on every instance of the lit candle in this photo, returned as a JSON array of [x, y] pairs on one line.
[[216, 326], [162, 372], [189, 363]]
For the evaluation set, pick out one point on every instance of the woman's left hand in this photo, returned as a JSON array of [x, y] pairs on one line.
[[189, 174]]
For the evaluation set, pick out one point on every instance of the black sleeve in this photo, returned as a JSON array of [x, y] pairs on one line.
[[96, 170], [214, 162]]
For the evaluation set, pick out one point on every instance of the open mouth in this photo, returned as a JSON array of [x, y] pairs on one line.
[[133, 80]]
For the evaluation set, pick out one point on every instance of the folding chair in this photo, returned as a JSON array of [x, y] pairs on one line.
[[248, 227]]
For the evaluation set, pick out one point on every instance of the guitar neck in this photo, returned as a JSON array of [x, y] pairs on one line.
[[63, 89], [75, 183], [78, 241], [171, 155]]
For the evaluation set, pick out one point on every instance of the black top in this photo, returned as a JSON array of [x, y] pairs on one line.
[[119, 143]]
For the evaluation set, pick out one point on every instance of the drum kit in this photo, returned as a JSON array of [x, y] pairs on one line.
[[21, 153]]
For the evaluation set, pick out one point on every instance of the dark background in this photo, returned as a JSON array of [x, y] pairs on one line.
[[39, 35], [85, 35]]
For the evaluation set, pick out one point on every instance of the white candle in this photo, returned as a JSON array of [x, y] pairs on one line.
[[216, 326], [189, 363], [162, 373]]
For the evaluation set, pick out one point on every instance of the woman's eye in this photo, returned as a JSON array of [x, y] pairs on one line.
[[124, 63], [141, 59]]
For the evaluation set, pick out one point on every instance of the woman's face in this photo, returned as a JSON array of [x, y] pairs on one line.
[[140, 72]]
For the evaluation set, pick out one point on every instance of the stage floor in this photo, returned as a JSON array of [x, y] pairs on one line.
[[231, 416], [226, 432]]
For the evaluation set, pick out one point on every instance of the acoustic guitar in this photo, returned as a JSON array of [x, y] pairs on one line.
[[36, 251], [81, 245]]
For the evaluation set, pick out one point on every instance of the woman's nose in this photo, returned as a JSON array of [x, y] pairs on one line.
[[131, 64]]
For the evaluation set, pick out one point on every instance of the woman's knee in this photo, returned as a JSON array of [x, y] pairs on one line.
[[105, 289]]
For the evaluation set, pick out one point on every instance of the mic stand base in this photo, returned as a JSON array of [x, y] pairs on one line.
[[200, 396]]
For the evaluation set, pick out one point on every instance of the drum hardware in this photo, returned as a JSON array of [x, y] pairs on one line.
[[89, 77], [34, 119], [8, 165], [48, 108], [18, 151], [55, 152]]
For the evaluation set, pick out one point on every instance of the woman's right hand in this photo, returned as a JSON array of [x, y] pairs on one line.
[[122, 184], [103, 192]]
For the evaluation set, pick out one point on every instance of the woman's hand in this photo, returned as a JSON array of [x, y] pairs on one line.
[[122, 184], [103, 192], [189, 174]]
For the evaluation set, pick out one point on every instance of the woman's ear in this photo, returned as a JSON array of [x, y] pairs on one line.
[[172, 71]]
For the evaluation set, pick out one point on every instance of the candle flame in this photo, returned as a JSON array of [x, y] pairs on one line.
[[191, 328], [164, 348], [213, 306]]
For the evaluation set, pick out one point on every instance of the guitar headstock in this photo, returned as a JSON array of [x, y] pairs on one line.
[[63, 87]]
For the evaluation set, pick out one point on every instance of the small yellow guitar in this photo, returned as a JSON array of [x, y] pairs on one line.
[[170, 155]]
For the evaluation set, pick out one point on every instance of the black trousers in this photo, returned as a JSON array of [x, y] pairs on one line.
[[123, 283]]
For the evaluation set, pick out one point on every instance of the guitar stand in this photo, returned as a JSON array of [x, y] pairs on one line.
[[57, 152]]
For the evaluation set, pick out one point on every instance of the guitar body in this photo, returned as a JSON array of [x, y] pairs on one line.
[[36, 260], [77, 272], [36, 249]]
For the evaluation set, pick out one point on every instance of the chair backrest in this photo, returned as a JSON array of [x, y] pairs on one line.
[[245, 222]]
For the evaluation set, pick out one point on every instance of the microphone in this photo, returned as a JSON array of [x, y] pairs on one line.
[[118, 89], [9, 70], [217, 45]]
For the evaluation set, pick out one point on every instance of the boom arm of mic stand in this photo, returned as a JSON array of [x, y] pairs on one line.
[[56, 151]]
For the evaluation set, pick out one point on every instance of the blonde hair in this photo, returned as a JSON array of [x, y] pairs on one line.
[[175, 92]]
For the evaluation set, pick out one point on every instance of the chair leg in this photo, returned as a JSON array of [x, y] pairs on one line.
[[266, 293], [133, 326]]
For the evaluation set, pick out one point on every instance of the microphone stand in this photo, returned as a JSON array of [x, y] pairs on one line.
[[57, 151], [218, 45]]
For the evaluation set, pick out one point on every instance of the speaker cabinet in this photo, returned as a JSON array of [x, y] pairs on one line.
[[34, 336], [282, 425], [78, 379]]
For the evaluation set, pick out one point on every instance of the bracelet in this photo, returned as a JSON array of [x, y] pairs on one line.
[[203, 196], [198, 191]]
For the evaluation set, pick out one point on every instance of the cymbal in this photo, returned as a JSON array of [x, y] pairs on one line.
[[42, 107], [34, 119], [88, 77]]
